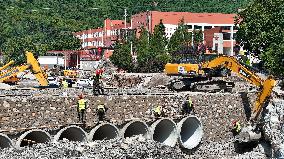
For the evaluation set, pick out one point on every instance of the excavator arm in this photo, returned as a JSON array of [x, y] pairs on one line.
[[40, 75], [31, 64], [231, 63], [7, 65], [13, 72]]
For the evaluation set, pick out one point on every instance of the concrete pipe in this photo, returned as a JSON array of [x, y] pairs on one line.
[[164, 131], [33, 137], [5, 141], [72, 133], [104, 131], [190, 132], [135, 127]]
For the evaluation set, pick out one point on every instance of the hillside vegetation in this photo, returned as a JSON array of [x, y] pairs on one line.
[[41, 25]]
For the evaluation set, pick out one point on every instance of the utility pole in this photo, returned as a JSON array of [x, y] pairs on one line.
[[125, 15]]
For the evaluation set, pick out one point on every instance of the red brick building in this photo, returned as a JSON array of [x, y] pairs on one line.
[[218, 30], [198, 21], [103, 37]]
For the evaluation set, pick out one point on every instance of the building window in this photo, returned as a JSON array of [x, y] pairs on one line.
[[207, 27], [226, 36], [197, 27], [189, 26], [226, 27]]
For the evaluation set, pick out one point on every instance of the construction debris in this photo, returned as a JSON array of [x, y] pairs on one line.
[[135, 147]]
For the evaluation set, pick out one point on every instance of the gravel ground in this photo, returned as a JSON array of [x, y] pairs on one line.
[[131, 148]]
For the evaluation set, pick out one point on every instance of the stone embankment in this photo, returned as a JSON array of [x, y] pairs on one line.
[[216, 111]]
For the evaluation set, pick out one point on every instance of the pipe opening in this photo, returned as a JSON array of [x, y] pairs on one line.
[[72, 133], [5, 141], [104, 132], [33, 137], [190, 130], [135, 128], [164, 131]]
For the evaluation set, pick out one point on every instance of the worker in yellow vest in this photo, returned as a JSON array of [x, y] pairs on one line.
[[187, 106], [81, 108], [158, 111], [236, 127], [64, 83], [101, 110]]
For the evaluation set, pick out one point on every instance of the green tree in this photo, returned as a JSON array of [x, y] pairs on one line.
[[122, 57], [197, 37], [158, 42], [180, 38], [261, 32], [143, 51]]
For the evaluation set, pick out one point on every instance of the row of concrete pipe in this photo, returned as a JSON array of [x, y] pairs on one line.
[[187, 132]]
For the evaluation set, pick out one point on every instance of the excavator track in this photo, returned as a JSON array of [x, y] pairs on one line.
[[213, 86], [201, 85]]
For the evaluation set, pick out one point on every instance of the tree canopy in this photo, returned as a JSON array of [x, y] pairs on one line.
[[41, 25], [122, 57], [261, 31]]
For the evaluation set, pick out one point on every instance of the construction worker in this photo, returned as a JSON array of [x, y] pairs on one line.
[[97, 82], [236, 127], [101, 110], [64, 83], [158, 111], [81, 107], [187, 106]]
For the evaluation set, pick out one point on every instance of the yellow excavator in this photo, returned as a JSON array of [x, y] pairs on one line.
[[250, 132], [13, 79], [31, 64], [187, 74]]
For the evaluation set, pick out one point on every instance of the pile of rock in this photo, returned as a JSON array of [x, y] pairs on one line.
[[225, 149], [273, 128], [120, 80]]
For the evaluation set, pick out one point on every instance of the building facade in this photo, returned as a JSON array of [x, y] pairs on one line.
[[194, 21], [103, 37], [218, 32]]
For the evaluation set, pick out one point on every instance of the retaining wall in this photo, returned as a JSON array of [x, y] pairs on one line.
[[216, 111]]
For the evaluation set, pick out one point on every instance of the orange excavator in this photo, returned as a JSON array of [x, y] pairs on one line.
[[250, 132], [32, 64]]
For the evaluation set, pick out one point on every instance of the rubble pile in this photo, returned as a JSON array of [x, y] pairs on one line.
[[225, 149], [273, 128], [158, 80], [120, 80], [130, 148]]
